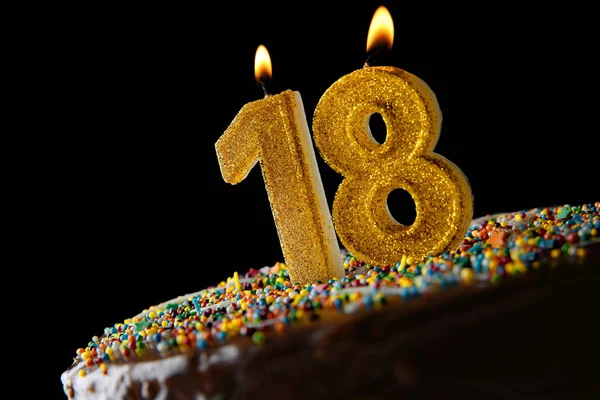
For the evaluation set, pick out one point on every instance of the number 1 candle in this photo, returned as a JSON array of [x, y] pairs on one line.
[[274, 132], [405, 160]]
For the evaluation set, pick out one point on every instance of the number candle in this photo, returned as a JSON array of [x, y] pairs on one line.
[[274, 132], [406, 160]]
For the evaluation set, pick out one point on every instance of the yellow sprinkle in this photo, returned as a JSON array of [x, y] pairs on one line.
[[299, 314], [503, 224], [152, 314], [81, 373], [270, 300], [127, 321], [518, 217], [581, 252], [243, 305], [86, 355], [403, 262], [142, 333], [509, 268], [594, 232], [103, 368], [405, 282], [520, 267], [165, 323], [304, 292], [109, 351], [555, 253], [475, 233], [467, 275], [236, 279], [409, 260]]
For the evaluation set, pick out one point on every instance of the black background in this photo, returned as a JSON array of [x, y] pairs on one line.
[[130, 205]]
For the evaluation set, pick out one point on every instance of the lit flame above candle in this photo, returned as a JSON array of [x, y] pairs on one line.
[[262, 65], [381, 31]]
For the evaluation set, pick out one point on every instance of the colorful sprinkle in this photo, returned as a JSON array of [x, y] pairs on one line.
[[265, 302]]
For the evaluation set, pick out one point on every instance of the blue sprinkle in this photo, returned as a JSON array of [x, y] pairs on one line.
[[196, 304], [339, 304], [222, 336], [475, 248], [404, 293]]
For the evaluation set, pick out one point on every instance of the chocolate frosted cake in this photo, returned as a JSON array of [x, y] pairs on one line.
[[505, 315]]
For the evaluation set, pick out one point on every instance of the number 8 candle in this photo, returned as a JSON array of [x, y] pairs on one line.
[[406, 160], [274, 132]]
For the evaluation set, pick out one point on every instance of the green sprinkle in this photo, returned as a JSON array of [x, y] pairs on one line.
[[564, 213], [258, 337], [140, 326]]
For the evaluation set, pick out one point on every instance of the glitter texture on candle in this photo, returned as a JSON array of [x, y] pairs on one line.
[[274, 131], [441, 192]]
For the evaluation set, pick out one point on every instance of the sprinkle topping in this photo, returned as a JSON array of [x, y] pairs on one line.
[[265, 302]]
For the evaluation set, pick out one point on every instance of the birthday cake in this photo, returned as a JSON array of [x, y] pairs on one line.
[[504, 315]]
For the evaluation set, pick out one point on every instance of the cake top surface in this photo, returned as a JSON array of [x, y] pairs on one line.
[[262, 302]]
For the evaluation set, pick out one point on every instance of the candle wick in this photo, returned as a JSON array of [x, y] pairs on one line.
[[374, 55], [263, 86]]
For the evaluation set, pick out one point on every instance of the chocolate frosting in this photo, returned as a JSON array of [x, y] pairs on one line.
[[532, 337]]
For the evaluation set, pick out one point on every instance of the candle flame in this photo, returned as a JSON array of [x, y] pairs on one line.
[[381, 31], [262, 65]]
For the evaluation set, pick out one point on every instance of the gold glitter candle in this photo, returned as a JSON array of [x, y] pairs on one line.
[[406, 160], [274, 132]]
